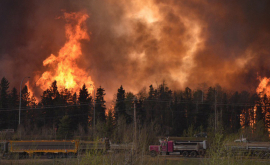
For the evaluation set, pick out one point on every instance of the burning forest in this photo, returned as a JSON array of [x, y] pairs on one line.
[[97, 65]]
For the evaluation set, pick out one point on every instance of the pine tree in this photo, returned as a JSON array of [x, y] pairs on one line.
[[179, 118], [51, 100], [163, 107], [85, 102], [13, 104], [73, 112], [197, 97], [140, 109], [4, 92], [150, 105], [4, 85], [25, 102], [120, 107], [129, 104], [65, 128], [47, 116], [189, 106], [100, 106], [235, 112], [109, 124]]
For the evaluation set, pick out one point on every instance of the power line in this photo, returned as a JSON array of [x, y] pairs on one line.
[[153, 100]]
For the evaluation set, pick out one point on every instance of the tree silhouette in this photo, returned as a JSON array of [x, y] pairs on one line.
[[85, 102], [120, 107], [64, 130], [13, 104], [4, 85], [110, 124], [150, 105], [100, 105]]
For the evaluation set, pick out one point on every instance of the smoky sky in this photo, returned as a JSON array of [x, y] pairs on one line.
[[138, 43]]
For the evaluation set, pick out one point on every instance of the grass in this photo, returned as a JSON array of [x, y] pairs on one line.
[[126, 158], [141, 157]]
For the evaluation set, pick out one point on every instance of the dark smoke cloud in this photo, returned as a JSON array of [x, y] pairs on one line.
[[125, 49]]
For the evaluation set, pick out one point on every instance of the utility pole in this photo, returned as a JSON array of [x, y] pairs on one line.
[[94, 110], [215, 111], [94, 124], [135, 123]]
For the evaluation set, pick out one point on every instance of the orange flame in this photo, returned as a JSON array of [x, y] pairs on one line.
[[264, 87], [262, 90], [33, 99], [63, 68]]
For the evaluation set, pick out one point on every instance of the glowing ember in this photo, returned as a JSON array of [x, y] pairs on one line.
[[63, 68]]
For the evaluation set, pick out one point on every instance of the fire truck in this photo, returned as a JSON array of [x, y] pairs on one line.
[[192, 147]]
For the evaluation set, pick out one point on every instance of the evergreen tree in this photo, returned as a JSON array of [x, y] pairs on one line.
[[179, 118], [163, 107], [129, 104], [28, 114], [150, 104], [85, 102], [13, 104], [245, 115], [100, 106], [53, 101], [120, 106], [226, 113], [25, 102], [4, 93], [140, 111], [109, 124], [208, 108], [235, 113], [25, 97], [74, 112], [65, 128], [4, 85], [47, 116], [190, 109], [198, 101]]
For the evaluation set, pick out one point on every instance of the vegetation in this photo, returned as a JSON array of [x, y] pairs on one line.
[[159, 112], [174, 113]]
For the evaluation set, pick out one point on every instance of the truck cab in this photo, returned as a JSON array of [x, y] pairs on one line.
[[164, 148]]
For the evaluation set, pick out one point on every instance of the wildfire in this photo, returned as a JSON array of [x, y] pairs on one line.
[[262, 90], [63, 68], [264, 87]]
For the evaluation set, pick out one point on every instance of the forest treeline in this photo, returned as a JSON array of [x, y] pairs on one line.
[[169, 112]]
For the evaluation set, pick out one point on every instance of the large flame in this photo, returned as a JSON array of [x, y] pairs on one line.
[[264, 87], [262, 90], [64, 68]]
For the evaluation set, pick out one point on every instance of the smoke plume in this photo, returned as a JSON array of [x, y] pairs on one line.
[[138, 43]]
